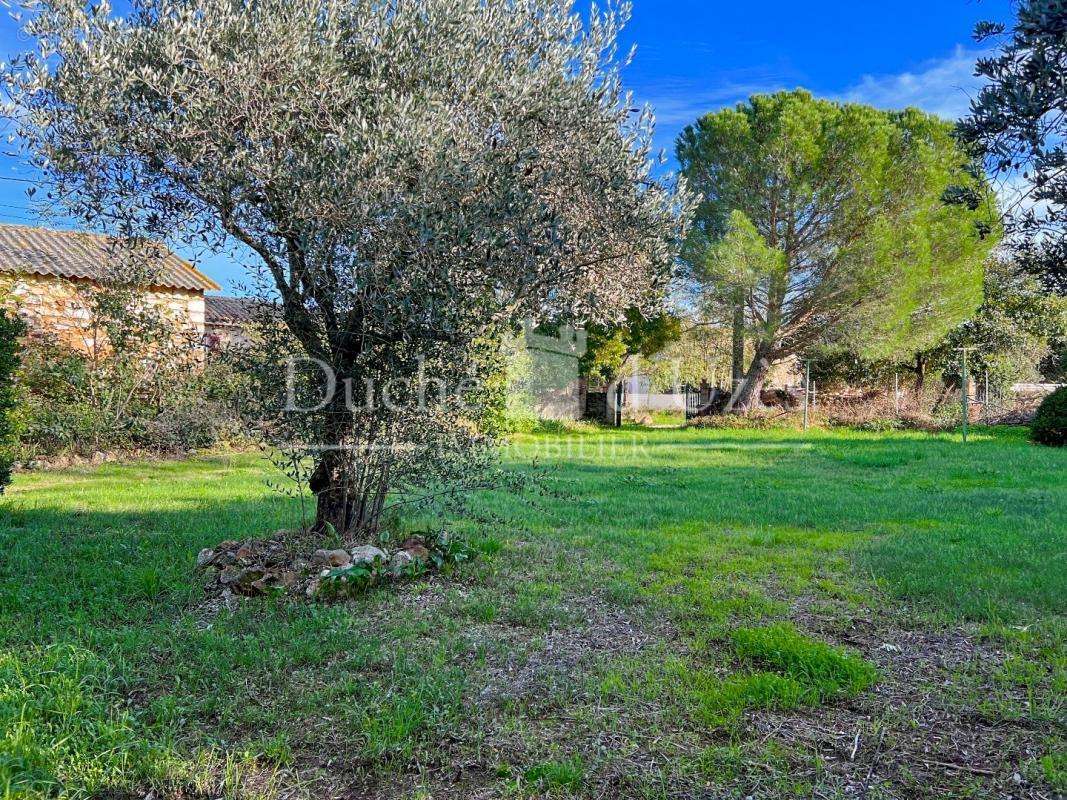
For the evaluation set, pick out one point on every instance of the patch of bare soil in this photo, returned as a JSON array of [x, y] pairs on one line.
[[531, 700], [921, 732], [530, 670]]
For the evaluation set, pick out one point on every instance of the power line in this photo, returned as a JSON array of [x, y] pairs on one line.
[[21, 180]]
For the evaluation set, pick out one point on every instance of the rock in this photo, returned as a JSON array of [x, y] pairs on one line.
[[244, 554], [368, 554], [313, 588], [249, 581], [332, 558], [205, 557], [417, 552], [228, 576], [285, 578], [412, 541], [400, 560], [99, 457], [34, 465]]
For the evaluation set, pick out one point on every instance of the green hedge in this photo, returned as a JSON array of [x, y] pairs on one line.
[[1050, 423]]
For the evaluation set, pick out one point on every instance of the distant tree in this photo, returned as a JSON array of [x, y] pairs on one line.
[[413, 178], [825, 221], [11, 330], [1012, 332], [701, 353], [610, 348], [730, 270], [1019, 121], [831, 366]]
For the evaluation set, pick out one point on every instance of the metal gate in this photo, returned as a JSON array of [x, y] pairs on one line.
[[692, 401]]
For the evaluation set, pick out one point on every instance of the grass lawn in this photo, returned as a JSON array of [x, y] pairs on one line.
[[677, 613]]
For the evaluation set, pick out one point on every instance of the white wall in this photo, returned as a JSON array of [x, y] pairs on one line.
[[655, 402]]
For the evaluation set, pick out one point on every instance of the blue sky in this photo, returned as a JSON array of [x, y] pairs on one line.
[[696, 56]]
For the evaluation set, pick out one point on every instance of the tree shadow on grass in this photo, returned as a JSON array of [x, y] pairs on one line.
[[104, 560]]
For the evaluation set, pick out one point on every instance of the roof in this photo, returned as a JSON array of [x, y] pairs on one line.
[[229, 310], [77, 254]]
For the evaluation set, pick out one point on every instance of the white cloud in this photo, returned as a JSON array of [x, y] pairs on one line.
[[681, 103], [943, 86]]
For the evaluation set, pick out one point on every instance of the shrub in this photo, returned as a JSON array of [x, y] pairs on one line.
[[876, 422], [141, 385], [1050, 423], [11, 329], [756, 419]]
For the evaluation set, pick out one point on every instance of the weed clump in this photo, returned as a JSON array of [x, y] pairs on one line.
[[824, 671]]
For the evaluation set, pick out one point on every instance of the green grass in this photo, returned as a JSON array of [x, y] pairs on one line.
[[822, 670], [550, 775], [744, 560]]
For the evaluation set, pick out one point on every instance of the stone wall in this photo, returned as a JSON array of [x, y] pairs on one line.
[[56, 306], [218, 335]]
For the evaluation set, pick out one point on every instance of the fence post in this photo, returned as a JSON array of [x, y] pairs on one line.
[[807, 384], [985, 399], [965, 380]]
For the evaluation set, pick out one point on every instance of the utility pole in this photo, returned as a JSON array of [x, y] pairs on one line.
[[966, 394]]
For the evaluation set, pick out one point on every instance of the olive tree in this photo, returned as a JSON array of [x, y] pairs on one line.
[[413, 176]]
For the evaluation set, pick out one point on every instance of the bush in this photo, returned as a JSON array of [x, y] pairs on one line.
[[757, 419], [874, 421], [1050, 424], [142, 385], [11, 330]]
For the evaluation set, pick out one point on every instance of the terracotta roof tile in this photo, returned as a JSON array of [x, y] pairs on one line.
[[229, 310], [76, 254]]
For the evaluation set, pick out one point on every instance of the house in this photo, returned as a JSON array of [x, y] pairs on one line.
[[227, 319], [46, 271]]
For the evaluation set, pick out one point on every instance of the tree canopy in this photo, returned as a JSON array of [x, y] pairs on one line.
[[413, 178], [820, 220], [1019, 121], [610, 347], [1012, 332]]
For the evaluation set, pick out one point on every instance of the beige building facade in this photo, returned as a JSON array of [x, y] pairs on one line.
[[48, 277]]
